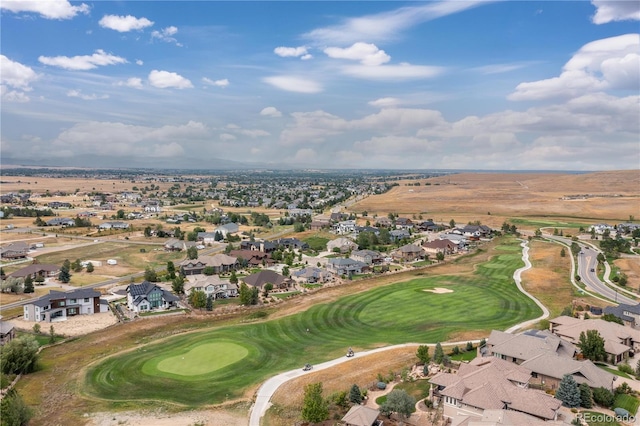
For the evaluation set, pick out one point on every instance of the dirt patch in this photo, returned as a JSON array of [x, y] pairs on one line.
[[73, 326], [439, 290], [158, 418], [631, 267]]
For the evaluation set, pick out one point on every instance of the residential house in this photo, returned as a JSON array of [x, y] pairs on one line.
[[502, 418], [36, 270], [7, 332], [473, 232], [114, 225], [361, 415], [338, 217], [383, 222], [345, 227], [347, 267], [320, 222], [491, 384], [408, 253], [210, 237], [311, 275], [548, 369], [601, 228], [371, 229], [343, 244], [370, 257], [17, 250], [620, 342], [59, 305], [629, 314], [61, 221], [404, 223], [445, 247], [211, 285], [262, 246], [148, 296], [519, 348], [428, 226], [253, 258], [291, 243], [459, 240], [173, 244], [259, 279], [152, 208], [221, 263], [227, 228], [398, 234], [59, 205]]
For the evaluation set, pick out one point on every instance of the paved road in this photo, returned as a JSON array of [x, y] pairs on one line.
[[269, 387]]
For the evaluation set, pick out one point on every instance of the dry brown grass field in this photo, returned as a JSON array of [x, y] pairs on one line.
[[472, 196]]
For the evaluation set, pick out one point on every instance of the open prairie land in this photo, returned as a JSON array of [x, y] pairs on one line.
[[495, 197]]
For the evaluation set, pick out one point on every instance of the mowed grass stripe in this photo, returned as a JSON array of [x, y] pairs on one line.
[[396, 313]]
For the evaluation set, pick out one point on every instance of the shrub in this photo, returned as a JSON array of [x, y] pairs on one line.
[[603, 397], [626, 368]]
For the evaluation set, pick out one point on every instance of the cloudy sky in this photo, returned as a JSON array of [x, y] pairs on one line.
[[512, 85]]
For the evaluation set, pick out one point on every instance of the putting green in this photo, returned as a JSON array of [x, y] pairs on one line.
[[202, 359]]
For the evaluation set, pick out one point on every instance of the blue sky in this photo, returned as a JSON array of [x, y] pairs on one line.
[[512, 85]]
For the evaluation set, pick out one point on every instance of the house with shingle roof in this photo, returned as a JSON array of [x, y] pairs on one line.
[[549, 369], [445, 247], [408, 253], [220, 263], [7, 332], [148, 296], [17, 250], [58, 305], [259, 279], [370, 257], [360, 415], [619, 341], [492, 384], [340, 266], [343, 244], [311, 275], [37, 269], [629, 314], [502, 418], [519, 348], [210, 285]]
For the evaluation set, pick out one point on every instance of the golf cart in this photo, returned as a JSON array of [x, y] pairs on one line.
[[350, 353], [307, 367]]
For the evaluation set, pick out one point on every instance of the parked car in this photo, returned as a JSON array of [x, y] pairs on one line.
[[350, 353], [307, 367], [593, 270]]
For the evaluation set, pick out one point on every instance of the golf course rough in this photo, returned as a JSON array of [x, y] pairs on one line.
[[224, 362]]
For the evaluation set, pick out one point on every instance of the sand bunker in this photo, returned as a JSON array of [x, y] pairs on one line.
[[438, 290]]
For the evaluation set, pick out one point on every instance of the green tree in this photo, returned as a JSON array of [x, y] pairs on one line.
[[208, 270], [177, 285], [90, 267], [198, 299], [438, 354], [440, 256], [452, 223], [64, 276], [233, 279], [171, 270], [76, 266], [13, 410], [591, 345], [52, 335], [192, 253], [209, 304], [398, 401], [267, 288], [423, 354], [147, 231], [568, 392], [36, 328], [19, 356], [355, 394], [314, 408], [586, 396], [120, 214], [563, 253], [150, 274], [603, 396], [28, 284], [245, 294]]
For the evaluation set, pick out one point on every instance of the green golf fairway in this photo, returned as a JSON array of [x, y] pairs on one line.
[[397, 313], [201, 359]]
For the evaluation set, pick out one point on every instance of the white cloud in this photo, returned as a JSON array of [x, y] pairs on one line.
[[610, 63], [12, 95], [49, 9], [133, 82], [254, 133], [125, 140], [292, 83], [124, 24], [287, 52], [79, 94], [16, 75], [227, 137], [385, 102], [306, 57], [166, 79], [366, 53], [139, 62], [402, 71], [387, 25], [219, 83], [271, 112], [610, 11], [166, 35], [500, 68], [84, 62]]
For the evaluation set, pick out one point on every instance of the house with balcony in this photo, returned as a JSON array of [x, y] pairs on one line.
[[60, 305], [147, 296]]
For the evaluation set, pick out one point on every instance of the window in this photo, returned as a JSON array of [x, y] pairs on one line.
[[86, 300], [73, 301]]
